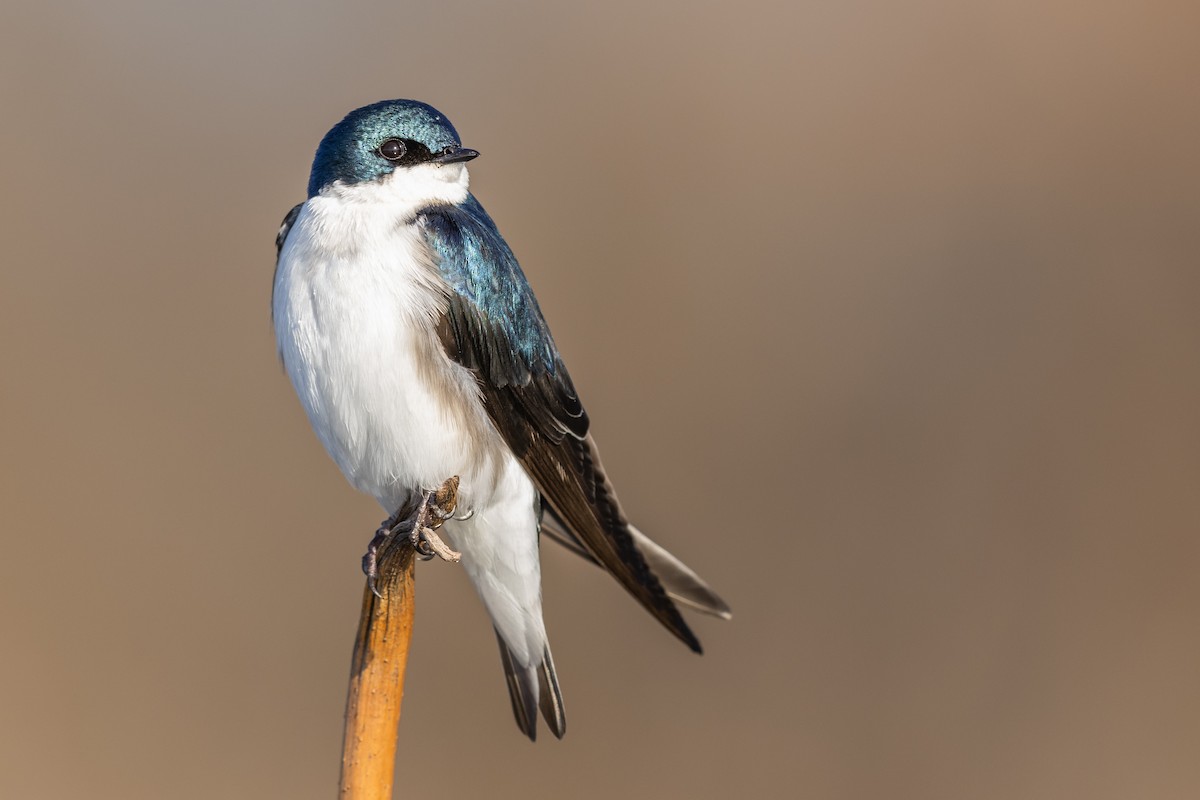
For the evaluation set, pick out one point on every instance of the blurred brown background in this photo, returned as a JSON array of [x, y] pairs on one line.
[[885, 314]]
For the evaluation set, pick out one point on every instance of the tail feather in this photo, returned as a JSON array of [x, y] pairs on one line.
[[522, 690], [550, 696], [531, 687]]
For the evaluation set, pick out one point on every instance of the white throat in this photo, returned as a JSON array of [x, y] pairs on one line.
[[407, 190]]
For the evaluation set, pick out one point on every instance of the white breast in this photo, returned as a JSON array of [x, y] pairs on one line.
[[356, 300]]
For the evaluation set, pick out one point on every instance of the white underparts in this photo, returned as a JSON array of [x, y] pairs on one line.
[[357, 298]]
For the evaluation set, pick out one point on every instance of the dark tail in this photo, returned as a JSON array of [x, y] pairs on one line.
[[531, 687]]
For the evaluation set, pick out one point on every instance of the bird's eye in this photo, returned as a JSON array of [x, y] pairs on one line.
[[393, 149]]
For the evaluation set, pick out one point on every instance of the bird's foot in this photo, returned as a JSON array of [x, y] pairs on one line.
[[421, 523], [436, 507]]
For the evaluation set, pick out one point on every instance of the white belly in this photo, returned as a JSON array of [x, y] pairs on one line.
[[354, 318], [355, 304]]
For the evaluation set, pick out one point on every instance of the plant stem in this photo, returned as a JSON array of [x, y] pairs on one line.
[[377, 679]]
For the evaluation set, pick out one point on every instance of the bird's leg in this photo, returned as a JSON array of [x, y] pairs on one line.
[[421, 523], [436, 507]]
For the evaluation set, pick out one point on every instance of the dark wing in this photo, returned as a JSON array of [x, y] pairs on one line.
[[682, 583], [280, 238], [286, 226], [493, 326]]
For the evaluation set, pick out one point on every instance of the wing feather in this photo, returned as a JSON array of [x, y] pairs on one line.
[[493, 326]]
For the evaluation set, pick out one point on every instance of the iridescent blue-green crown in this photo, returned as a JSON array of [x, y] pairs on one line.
[[348, 153]]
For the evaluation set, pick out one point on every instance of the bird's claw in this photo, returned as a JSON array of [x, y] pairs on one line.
[[422, 523], [428, 544]]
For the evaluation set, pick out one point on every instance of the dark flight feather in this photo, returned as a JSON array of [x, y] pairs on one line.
[[682, 583], [530, 688], [284, 227], [494, 327], [281, 237]]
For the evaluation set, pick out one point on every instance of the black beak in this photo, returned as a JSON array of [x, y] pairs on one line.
[[454, 155]]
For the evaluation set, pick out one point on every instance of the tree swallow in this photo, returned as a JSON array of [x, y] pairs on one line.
[[419, 353]]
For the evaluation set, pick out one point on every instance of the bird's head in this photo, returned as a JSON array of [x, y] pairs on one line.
[[393, 140]]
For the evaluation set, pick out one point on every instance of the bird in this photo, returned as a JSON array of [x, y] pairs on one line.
[[418, 352]]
